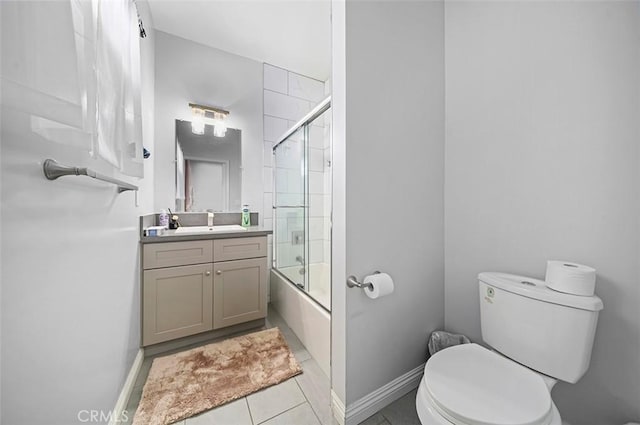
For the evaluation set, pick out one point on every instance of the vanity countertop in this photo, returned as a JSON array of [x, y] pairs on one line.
[[250, 232]]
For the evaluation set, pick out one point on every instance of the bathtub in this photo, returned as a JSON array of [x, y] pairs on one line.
[[307, 318], [319, 278]]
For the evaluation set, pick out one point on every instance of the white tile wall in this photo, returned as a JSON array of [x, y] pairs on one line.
[[267, 179], [316, 228], [268, 155], [305, 88], [317, 137], [326, 201], [274, 128], [275, 79], [282, 106], [316, 160], [268, 205], [316, 182], [316, 204], [316, 251]]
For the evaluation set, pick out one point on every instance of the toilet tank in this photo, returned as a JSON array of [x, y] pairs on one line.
[[548, 331]]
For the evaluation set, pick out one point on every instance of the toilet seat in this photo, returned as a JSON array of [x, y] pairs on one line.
[[470, 385]]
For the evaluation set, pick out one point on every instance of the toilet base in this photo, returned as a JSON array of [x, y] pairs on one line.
[[428, 415]]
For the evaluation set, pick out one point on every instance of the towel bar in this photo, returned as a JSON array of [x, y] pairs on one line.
[[53, 170]]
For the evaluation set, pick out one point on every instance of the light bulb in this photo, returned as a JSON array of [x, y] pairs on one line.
[[197, 123], [219, 130]]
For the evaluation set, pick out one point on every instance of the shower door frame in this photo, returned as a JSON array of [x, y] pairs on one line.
[[303, 123]]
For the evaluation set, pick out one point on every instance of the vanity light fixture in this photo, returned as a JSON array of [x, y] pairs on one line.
[[203, 114]]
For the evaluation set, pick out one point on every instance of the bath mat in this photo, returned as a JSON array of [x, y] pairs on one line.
[[187, 383]]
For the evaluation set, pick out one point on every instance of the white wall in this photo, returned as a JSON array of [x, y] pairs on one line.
[[70, 295], [190, 72], [542, 160], [1, 275], [338, 204], [394, 185]]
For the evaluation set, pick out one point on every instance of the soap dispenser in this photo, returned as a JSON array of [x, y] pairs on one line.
[[246, 216]]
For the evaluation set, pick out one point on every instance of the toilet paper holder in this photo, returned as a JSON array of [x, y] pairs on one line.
[[352, 282]]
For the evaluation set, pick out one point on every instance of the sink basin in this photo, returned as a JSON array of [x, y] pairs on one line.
[[194, 230]]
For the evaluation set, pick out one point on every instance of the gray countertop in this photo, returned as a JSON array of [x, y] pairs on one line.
[[250, 232]]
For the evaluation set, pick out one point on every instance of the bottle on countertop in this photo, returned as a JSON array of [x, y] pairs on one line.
[[163, 219], [246, 216]]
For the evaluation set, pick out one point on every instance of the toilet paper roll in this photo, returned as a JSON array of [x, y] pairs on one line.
[[571, 278], [381, 285]]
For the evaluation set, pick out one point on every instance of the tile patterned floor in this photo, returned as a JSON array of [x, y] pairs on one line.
[[400, 412], [302, 400]]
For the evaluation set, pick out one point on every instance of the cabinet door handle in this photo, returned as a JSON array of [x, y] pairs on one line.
[[219, 272], [207, 273]]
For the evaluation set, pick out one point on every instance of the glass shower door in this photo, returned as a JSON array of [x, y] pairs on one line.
[[302, 205], [319, 209], [290, 183]]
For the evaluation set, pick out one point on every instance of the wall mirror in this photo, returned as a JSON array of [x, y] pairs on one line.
[[208, 170]]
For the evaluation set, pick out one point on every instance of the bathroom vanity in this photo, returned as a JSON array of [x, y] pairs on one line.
[[197, 282]]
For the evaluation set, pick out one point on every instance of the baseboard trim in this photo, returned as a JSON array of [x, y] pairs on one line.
[[117, 415], [382, 397], [337, 408]]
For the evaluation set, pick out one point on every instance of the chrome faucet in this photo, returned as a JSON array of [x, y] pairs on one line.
[[300, 260]]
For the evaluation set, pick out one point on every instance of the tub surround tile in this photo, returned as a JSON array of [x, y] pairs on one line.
[[316, 228], [274, 128], [275, 78], [306, 88], [316, 251], [317, 137], [268, 155], [268, 205], [282, 106], [267, 179], [316, 182], [316, 159]]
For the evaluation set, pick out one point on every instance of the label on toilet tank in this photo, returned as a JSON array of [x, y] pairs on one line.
[[490, 293]]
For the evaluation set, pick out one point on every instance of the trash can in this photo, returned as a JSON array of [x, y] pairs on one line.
[[439, 340]]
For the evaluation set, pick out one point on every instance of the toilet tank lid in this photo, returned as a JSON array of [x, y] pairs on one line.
[[537, 289]]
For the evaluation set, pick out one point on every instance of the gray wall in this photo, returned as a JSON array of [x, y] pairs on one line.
[[70, 286], [190, 72], [542, 136], [394, 185]]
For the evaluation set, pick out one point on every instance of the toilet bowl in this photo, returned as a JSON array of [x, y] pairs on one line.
[[471, 385]]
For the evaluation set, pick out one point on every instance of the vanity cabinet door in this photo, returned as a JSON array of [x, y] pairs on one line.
[[176, 302], [239, 291]]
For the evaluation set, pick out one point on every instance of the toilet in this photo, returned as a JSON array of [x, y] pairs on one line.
[[537, 337]]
